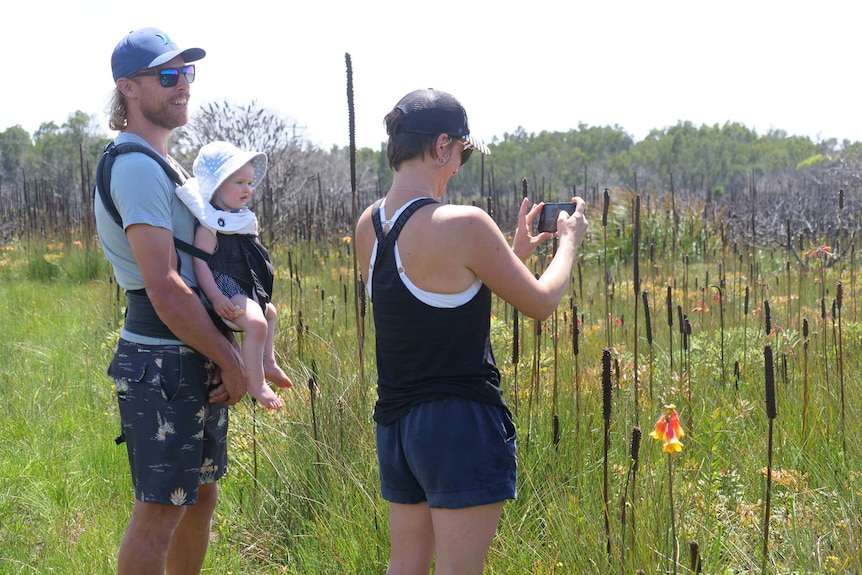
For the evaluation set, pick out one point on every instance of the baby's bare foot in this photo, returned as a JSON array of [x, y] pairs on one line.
[[267, 397], [274, 374]]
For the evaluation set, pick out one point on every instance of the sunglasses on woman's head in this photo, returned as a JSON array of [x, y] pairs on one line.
[[168, 77]]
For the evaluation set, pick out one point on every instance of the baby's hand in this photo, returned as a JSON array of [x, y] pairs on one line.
[[226, 309]]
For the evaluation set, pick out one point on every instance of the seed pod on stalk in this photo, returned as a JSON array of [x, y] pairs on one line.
[[669, 301], [767, 316], [647, 321], [576, 331], [769, 375], [634, 447], [606, 384], [606, 415], [607, 203], [636, 240]]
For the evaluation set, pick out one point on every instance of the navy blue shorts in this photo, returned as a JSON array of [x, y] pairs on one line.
[[175, 438], [452, 453]]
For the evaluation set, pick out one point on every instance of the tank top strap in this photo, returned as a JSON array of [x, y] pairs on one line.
[[392, 236], [375, 220]]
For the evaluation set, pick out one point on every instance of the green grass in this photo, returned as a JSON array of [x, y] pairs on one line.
[[302, 494]]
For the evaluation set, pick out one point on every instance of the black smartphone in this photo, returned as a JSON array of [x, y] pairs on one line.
[[550, 212]]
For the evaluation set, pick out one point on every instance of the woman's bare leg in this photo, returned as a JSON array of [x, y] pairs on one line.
[[463, 538], [412, 539]]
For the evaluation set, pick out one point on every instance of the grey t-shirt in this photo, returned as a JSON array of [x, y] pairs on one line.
[[143, 194]]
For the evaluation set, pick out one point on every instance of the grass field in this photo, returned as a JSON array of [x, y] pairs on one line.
[[302, 493]]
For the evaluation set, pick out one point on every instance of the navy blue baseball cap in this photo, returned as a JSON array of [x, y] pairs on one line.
[[433, 112], [146, 48]]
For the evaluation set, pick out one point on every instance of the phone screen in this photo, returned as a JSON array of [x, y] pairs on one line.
[[549, 214]]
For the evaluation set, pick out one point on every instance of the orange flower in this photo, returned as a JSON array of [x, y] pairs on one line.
[[818, 251], [668, 430]]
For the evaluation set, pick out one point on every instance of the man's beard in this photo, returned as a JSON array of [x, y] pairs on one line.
[[165, 116]]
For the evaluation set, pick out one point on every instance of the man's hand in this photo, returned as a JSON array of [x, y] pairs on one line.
[[230, 385]]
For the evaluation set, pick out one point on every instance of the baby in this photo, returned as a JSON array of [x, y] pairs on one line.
[[238, 276]]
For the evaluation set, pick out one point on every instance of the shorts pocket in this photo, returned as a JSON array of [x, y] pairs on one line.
[[510, 432], [128, 383]]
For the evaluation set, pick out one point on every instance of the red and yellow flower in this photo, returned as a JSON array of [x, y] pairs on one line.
[[668, 430]]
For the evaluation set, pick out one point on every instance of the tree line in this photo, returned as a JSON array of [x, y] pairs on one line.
[[46, 178]]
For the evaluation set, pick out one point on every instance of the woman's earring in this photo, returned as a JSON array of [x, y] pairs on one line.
[[440, 161]]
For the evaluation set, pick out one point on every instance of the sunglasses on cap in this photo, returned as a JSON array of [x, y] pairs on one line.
[[168, 77]]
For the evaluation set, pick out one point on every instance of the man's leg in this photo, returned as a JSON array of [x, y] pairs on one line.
[[145, 545], [188, 547]]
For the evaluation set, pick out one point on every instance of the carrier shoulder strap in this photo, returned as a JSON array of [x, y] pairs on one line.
[[103, 184]]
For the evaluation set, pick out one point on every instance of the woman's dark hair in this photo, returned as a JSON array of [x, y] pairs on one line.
[[404, 146]]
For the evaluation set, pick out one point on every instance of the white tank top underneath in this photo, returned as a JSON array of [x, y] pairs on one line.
[[441, 300]]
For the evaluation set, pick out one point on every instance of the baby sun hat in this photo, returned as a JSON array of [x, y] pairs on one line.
[[217, 160]]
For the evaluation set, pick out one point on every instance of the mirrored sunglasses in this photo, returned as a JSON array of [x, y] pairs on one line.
[[168, 77]]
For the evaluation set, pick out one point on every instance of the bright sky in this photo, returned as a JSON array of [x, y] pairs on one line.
[[537, 64]]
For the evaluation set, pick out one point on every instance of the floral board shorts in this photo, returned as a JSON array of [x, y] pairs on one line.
[[175, 438]]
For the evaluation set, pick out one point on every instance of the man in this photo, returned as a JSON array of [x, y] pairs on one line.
[[172, 399]]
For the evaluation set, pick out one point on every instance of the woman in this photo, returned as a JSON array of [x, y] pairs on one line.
[[445, 438]]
